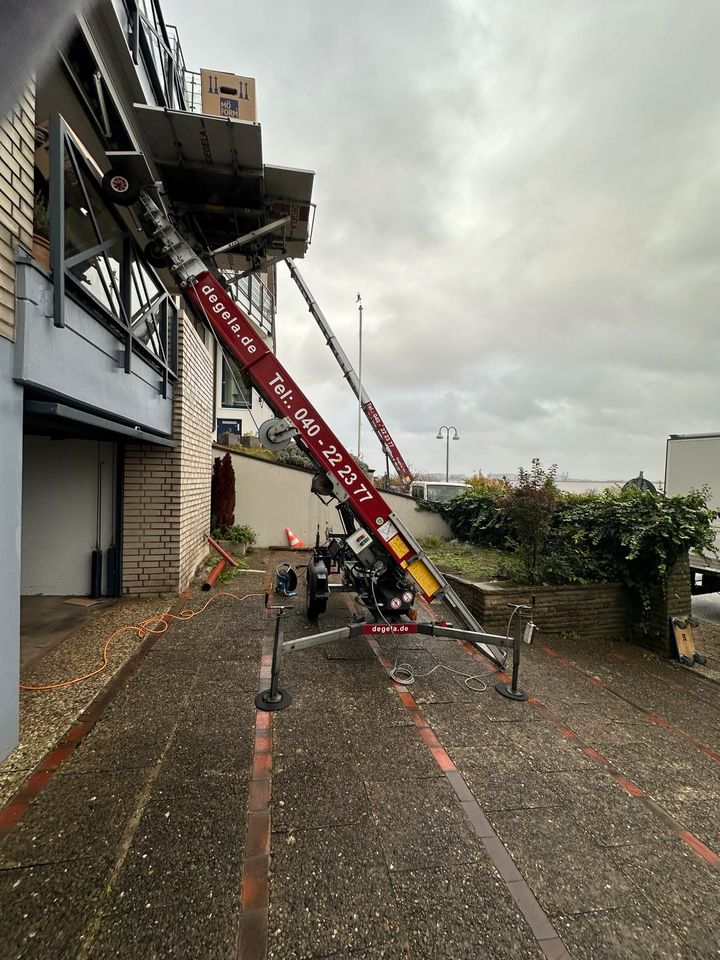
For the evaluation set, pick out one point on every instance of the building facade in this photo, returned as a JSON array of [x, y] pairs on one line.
[[110, 394]]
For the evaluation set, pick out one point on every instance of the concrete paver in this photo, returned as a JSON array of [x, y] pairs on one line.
[[603, 792]]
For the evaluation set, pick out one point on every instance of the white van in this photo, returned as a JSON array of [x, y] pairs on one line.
[[437, 491]]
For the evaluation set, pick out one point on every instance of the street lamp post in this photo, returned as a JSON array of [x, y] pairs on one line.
[[360, 309], [447, 446]]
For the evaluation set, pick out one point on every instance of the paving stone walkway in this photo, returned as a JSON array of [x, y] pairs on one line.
[[371, 821]]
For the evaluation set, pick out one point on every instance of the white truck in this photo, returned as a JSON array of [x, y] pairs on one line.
[[437, 491], [692, 461]]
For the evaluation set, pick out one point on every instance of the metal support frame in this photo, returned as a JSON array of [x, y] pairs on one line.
[[365, 404], [276, 698], [253, 235], [207, 298], [57, 216], [511, 690], [263, 265]]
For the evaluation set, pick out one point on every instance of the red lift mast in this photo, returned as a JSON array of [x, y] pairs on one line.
[[209, 300]]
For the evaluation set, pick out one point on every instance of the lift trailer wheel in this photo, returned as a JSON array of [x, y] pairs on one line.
[[155, 255], [120, 188]]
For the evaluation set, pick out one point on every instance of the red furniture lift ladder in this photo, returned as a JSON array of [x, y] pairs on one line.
[[211, 303]]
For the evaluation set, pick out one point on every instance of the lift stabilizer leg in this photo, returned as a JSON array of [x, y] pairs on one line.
[[275, 698]]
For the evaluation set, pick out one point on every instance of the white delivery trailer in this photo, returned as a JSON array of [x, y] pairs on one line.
[[692, 461]]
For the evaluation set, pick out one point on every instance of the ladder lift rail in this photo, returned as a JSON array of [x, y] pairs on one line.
[[389, 447], [208, 299]]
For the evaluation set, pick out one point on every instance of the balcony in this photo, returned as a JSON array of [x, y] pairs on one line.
[[156, 52], [251, 293], [102, 311]]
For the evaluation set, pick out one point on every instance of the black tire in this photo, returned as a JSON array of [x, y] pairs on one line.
[[314, 605], [155, 255], [120, 188]]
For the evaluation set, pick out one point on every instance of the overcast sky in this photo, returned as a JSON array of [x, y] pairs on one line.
[[527, 195]]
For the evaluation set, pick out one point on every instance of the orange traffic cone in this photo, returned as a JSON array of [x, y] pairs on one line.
[[294, 541]]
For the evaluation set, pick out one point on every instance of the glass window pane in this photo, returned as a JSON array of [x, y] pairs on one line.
[[100, 277], [236, 389], [107, 224], [79, 231]]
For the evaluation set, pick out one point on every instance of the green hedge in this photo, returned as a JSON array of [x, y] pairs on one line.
[[632, 537]]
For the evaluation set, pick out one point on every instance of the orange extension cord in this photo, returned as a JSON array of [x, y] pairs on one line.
[[142, 629]]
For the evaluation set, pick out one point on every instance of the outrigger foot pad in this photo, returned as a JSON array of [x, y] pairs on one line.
[[506, 690], [283, 699]]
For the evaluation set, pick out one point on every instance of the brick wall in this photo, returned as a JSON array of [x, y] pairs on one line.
[[651, 627], [589, 612], [166, 504], [17, 153], [194, 402], [603, 611]]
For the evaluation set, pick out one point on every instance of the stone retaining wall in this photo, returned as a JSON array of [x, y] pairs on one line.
[[588, 612], [602, 611], [651, 628]]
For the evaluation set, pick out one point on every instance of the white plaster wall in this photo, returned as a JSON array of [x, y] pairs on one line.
[[270, 497], [422, 523], [59, 513]]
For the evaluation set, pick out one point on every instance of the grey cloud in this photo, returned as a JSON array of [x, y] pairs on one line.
[[527, 197]]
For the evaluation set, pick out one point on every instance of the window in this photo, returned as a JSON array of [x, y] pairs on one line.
[[101, 265], [236, 388]]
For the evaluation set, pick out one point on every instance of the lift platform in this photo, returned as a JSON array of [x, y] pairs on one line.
[[221, 189]]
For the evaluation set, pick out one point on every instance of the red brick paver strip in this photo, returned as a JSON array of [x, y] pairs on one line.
[[648, 714], [253, 929], [542, 928]]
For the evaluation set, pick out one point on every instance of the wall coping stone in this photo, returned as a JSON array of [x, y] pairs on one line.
[[506, 586]]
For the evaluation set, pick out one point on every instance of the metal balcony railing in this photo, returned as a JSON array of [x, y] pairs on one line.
[[155, 48], [96, 262], [193, 91], [254, 298]]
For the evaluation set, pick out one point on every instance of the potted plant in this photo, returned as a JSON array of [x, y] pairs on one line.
[[41, 232], [245, 537], [238, 538]]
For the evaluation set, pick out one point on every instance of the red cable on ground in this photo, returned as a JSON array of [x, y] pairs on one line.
[[153, 625]]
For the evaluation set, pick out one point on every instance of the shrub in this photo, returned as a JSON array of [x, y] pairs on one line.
[[489, 486], [633, 537], [636, 536], [477, 517], [529, 507]]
